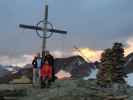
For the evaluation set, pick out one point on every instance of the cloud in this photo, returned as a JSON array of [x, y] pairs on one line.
[[61, 54], [19, 61], [129, 48], [94, 55], [22, 60], [94, 23], [87, 53]]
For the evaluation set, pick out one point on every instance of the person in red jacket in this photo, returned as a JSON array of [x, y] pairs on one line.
[[46, 74]]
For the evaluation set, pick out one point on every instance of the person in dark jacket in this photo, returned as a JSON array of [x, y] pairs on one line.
[[50, 60], [36, 63]]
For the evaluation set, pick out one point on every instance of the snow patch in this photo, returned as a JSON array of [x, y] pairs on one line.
[[129, 79], [63, 74], [92, 75]]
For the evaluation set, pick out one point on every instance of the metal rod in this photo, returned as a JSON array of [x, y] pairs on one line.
[[30, 27], [57, 31], [46, 12], [45, 30], [40, 29]]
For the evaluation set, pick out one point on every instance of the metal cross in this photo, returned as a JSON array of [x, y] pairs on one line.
[[44, 29]]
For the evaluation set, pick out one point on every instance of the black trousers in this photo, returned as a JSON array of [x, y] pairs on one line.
[[46, 82], [53, 74]]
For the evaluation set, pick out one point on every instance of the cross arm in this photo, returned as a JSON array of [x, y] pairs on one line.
[[57, 31], [41, 29], [30, 27]]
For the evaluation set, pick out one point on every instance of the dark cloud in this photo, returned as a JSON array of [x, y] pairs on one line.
[[90, 23]]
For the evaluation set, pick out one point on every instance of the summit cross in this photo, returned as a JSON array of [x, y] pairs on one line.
[[47, 32]]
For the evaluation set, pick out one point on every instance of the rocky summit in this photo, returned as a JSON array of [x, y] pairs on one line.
[[73, 89]]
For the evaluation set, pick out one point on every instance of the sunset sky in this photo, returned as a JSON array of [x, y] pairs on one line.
[[94, 24]]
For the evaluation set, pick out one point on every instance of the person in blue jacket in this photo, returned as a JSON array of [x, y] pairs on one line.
[[37, 63]]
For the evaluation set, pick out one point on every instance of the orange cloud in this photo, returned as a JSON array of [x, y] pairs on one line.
[[129, 49], [94, 55], [89, 54]]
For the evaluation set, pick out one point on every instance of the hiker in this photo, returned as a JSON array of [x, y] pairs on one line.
[[37, 63], [50, 59], [46, 74]]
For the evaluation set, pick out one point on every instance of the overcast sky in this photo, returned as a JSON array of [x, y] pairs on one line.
[[90, 23]]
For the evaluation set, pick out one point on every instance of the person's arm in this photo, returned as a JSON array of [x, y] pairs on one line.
[[52, 60], [34, 61], [42, 62]]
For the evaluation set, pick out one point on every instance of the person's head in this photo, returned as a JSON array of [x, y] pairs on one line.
[[46, 61], [47, 53], [38, 55]]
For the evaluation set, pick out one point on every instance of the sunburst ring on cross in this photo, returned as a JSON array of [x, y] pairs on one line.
[[40, 34]]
